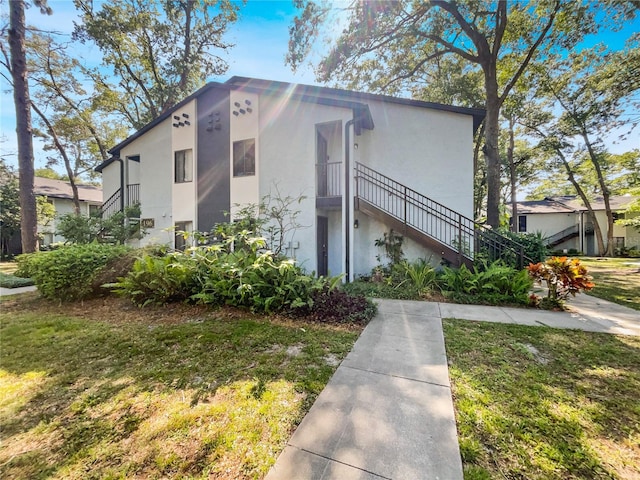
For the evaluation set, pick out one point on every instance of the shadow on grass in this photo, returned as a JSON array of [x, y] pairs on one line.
[[97, 399], [535, 402]]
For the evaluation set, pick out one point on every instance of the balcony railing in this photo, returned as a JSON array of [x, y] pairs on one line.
[[328, 179], [133, 194]]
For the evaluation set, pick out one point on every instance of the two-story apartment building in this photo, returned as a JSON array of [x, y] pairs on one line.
[[364, 163]]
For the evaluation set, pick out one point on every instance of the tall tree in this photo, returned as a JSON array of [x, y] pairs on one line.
[[385, 45], [593, 89], [159, 50], [18, 64], [70, 125]]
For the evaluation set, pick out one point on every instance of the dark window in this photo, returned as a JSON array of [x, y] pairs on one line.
[[244, 158], [180, 229], [184, 166], [94, 210], [522, 223]]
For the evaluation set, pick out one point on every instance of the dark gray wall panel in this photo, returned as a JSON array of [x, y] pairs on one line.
[[213, 158]]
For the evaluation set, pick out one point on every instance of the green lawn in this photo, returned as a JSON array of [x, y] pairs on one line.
[[105, 390], [8, 267], [541, 403], [616, 279]]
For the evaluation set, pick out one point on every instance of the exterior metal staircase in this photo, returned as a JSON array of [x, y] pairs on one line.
[[562, 236], [459, 239]]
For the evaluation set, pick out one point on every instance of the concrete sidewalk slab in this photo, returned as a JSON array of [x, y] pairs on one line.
[[387, 426], [481, 313], [14, 291], [400, 357], [387, 412], [408, 307]]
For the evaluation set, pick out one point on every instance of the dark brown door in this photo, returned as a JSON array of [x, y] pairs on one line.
[[321, 160], [323, 246]]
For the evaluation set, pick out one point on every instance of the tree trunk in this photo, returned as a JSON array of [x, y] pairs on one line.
[[596, 226], [28, 213], [67, 163], [512, 177], [492, 132], [608, 252]]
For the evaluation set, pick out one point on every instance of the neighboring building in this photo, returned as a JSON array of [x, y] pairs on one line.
[[60, 195], [564, 222], [408, 165]]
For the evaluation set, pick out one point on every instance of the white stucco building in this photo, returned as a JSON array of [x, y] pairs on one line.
[[365, 163], [565, 222], [60, 195]]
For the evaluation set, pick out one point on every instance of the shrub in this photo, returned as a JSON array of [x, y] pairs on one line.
[[67, 273], [495, 283], [114, 269], [219, 275], [253, 278], [158, 280], [382, 289], [533, 243], [563, 277], [117, 228], [338, 306], [420, 273]]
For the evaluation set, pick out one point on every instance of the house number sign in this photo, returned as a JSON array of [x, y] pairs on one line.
[[148, 222]]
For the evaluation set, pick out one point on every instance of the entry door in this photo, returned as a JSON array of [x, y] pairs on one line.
[[323, 246], [321, 160]]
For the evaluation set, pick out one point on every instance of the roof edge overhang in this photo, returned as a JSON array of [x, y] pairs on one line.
[[115, 151], [275, 87]]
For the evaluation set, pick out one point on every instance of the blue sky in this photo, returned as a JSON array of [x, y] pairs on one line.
[[261, 37]]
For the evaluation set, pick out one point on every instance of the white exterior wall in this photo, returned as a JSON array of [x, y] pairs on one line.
[[287, 161], [427, 150], [245, 190], [156, 180], [62, 206], [110, 180], [184, 138], [550, 223]]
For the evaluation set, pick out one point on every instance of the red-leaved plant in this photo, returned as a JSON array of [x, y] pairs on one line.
[[562, 276]]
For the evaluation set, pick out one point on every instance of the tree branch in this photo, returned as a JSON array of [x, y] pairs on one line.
[[523, 66]]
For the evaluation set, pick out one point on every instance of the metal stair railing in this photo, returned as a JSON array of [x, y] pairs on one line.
[[559, 237], [434, 220], [111, 205]]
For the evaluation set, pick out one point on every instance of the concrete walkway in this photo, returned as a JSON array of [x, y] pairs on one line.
[[387, 412], [14, 291]]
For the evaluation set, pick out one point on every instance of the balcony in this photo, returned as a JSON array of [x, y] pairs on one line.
[[329, 185]]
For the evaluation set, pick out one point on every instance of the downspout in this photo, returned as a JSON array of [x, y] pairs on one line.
[[122, 192], [348, 201]]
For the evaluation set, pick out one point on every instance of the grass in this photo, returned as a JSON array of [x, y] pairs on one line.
[[616, 280], [8, 267], [540, 403], [105, 390]]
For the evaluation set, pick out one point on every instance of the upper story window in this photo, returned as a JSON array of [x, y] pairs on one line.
[[244, 158], [183, 166]]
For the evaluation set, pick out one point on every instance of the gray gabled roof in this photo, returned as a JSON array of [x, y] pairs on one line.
[[271, 86], [48, 187], [306, 93], [572, 203]]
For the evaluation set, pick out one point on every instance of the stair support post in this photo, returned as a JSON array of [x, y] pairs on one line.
[[460, 240], [405, 205]]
